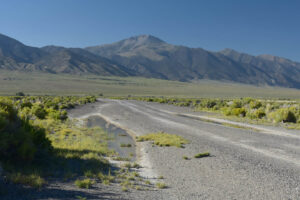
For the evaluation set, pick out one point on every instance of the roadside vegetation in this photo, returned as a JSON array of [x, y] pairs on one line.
[[261, 111], [164, 139], [38, 142]]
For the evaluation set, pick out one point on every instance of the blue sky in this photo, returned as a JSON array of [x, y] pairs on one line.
[[252, 26]]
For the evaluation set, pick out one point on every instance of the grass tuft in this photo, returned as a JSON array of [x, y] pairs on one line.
[[161, 185], [32, 180], [86, 183], [164, 139], [201, 155], [125, 145]]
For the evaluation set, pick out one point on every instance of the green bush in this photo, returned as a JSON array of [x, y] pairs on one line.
[[283, 115], [260, 113], [39, 111], [255, 104], [19, 140], [236, 104], [239, 112]]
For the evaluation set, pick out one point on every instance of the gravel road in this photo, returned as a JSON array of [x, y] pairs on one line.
[[245, 164]]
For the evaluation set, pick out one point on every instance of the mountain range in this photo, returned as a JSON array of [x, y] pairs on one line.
[[148, 56]]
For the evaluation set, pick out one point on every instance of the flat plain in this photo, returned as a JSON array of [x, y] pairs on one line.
[[57, 84]]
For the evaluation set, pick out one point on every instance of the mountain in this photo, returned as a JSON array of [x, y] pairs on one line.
[[283, 72], [16, 56], [148, 56], [151, 57], [79, 61]]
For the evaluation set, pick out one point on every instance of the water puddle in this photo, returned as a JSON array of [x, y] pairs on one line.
[[122, 142]]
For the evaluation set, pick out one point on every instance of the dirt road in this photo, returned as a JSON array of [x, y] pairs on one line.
[[245, 163]]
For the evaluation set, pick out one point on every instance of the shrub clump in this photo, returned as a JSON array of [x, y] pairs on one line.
[[201, 155], [86, 183], [164, 139], [19, 140]]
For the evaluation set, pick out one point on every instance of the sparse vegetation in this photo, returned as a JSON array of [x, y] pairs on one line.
[[185, 158], [32, 180], [201, 155], [161, 185], [39, 84], [125, 145], [281, 112], [37, 140], [164, 139], [124, 189], [86, 183]]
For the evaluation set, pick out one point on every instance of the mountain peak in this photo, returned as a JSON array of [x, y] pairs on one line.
[[147, 38], [142, 40], [229, 51]]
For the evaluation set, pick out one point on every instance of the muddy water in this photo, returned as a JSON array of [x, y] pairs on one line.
[[119, 136]]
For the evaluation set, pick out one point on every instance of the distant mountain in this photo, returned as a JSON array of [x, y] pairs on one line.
[[283, 72], [17, 56], [152, 57], [148, 56]]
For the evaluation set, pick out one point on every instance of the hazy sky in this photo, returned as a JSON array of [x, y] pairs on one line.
[[252, 26]]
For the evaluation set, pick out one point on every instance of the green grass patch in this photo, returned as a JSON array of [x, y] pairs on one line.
[[86, 183], [164, 139], [32, 180], [185, 158], [125, 145], [202, 155], [161, 185]]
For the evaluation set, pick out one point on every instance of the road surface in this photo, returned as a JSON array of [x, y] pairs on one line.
[[245, 163]]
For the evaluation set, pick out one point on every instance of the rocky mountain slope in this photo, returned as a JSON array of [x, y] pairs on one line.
[[148, 56]]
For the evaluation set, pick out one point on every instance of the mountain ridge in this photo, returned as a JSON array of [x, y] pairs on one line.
[[149, 56]]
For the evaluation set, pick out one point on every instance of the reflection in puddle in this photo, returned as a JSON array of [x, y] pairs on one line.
[[120, 137]]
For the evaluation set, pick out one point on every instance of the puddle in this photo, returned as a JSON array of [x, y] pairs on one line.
[[120, 137]]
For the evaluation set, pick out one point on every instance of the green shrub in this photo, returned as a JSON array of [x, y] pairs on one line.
[[236, 104], [21, 94], [201, 155], [39, 111], [32, 180], [86, 183], [239, 112], [161, 185], [255, 104], [19, 140], [163, 139], [283, 115], [260, 113]]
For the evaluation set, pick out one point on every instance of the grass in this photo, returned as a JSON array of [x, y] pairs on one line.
[[164, 139], [201, 155], [86, 183], [55, 84], [125, 145], [81, 198], [185, 158], [135, 165], [124, 189], [161, 185], [32, 180]]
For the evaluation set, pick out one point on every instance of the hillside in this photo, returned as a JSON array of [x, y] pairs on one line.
[[148, 56], [16, 56], [152, 57]]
